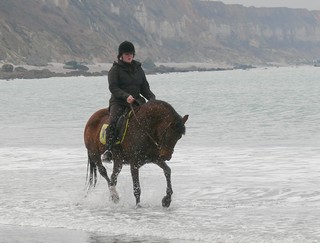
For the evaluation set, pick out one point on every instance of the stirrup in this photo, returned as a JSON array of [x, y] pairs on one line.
[[107, 156]]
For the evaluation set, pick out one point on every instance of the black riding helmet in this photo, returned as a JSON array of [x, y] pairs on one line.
[[126, 47]]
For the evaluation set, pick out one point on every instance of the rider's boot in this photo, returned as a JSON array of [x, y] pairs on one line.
[[111, 139]]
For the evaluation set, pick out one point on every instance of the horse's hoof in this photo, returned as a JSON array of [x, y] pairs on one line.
[[114, 194], [166, 201], [138, 206], [115, 198]]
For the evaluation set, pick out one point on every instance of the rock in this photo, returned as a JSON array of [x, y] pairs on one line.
[[82, 67], [70, 65], [242, 66], [8, 68], [149, 64], [75, 66]]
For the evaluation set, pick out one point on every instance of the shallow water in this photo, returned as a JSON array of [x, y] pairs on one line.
[[246, 171]]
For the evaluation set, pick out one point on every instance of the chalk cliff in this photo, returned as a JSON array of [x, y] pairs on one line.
[[42, 31]]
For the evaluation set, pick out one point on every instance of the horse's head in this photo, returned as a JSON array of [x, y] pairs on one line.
[[165, 125], [169, 132]]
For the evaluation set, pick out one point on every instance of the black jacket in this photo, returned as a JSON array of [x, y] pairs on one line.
[[128, 79]]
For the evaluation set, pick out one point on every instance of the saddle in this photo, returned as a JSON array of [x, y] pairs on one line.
[[121, 128]]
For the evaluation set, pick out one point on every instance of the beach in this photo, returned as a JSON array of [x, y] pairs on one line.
[[30, 234], [101, 69], [247, 169]]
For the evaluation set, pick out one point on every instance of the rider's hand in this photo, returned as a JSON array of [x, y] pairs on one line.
[[130, 99]]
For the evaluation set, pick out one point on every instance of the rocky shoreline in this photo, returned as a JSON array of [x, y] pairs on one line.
[[45, 73], [57, 70]]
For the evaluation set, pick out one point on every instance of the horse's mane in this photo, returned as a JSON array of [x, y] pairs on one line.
[[163, 110]]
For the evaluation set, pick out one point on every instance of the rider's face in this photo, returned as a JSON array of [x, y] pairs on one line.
[[127, 57]]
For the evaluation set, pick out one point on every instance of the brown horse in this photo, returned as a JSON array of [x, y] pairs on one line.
[[151, 136]]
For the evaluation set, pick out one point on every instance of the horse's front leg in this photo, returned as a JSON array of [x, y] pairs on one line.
[[136, 183], [117, 166], [167, 172]]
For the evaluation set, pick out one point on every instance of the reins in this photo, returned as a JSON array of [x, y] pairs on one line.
[[146, 132]]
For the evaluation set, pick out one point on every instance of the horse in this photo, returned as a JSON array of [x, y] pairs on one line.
[[152, 133]]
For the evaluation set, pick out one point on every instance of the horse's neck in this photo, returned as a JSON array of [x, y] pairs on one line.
[[156, 114], [148, 117]]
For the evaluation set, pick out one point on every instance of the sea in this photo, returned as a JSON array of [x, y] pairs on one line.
[[247, 169]]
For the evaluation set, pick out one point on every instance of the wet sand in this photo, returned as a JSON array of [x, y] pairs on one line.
[[30, 234], [26, 234]]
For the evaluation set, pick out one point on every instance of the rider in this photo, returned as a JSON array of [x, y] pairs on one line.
[[128, 86]]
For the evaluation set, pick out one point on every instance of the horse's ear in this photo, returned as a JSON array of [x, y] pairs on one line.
[[185, 118]]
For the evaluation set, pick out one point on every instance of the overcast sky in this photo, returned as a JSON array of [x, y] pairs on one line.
[[308, 4]]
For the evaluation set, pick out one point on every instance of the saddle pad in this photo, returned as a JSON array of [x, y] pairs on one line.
[[122, 131], [102, 136]]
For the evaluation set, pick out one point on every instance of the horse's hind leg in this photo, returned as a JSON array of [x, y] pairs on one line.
[[167, 172], [95, 159]]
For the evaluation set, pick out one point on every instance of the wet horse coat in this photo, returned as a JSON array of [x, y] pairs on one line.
[[152, 134]]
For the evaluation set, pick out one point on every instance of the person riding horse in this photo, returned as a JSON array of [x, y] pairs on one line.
[[128, 86]]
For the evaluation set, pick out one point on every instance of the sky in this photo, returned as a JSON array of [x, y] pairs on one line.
[[308, 4]]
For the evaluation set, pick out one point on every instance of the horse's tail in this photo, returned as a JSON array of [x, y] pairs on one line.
[[91, 178]]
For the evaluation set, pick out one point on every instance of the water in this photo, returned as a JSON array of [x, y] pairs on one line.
[[246, 171]]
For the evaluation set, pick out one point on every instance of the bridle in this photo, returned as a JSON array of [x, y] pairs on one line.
[[158, 144]]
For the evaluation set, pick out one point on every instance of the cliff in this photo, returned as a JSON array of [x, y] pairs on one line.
[[40, 31]]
